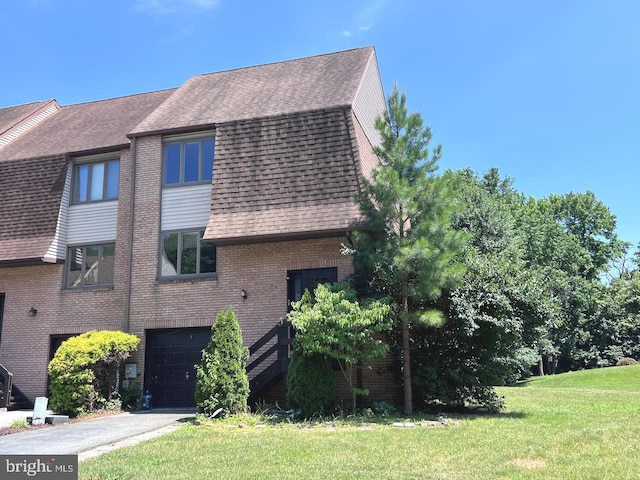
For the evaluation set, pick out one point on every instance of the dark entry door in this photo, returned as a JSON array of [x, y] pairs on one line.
[[301, 280], [171, 355]]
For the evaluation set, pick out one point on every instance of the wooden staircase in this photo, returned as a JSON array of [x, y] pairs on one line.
[[272, 350], [11, 398]]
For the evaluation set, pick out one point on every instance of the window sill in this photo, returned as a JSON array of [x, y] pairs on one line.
[[96, 288], [189, 279]]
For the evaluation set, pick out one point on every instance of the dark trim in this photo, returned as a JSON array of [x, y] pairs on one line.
[[285, 237], [26, 262]]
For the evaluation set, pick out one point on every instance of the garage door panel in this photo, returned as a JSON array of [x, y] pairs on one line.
[[170, 372]]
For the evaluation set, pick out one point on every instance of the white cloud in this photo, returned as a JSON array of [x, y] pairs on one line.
[[165, 7], [366, 16]]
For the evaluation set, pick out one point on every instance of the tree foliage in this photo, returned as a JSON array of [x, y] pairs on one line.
[[221, 376], [311, 383], [82, 372], [409, 253], [334, 324]]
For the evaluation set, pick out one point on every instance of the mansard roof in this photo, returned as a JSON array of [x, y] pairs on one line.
[[306, 84]]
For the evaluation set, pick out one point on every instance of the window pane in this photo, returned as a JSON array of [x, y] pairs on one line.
[[169, 260], [81, 183], [108, 264], [172, 164], [74, 271], [191, 160], [97, 181], [189, 253], [113, 175], [207, 257], [92, 255], [207, 159]]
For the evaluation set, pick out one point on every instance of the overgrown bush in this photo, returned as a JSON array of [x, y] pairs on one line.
[[221, 376], [83, 371], [311, 384], [626, 361]]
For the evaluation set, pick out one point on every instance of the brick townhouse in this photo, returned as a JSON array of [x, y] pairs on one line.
[[153, 212]]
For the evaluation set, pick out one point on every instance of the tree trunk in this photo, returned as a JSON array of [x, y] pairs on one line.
[[406, 354], [541, 366]]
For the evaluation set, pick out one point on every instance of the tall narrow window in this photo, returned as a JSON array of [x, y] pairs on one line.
[[188, 162], [96, 181]]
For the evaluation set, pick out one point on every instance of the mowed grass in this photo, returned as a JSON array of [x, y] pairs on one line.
[[580, 425]]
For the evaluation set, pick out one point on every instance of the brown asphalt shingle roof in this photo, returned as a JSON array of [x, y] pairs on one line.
[[30, 196], [312, 83], [85, 127], [292, 175], [10, 116]]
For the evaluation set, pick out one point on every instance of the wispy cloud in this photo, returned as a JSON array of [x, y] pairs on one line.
[[366, 17], [166, 7]]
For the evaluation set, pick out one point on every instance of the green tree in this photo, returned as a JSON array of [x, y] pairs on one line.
[[335, 325], [409, 253], [221, 376]]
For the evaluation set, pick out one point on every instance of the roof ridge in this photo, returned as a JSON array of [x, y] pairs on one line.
[[119, 97]]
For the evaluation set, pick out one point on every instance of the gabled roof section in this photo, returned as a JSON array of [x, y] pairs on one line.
[[292, 176], [306, 84], [14, 121], [30, 196], [86, 127]]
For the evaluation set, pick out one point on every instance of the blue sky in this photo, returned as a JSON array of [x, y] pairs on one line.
[[547, 91]]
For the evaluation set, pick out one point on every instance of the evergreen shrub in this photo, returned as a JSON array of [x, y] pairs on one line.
[[311, 384], [221, 376]]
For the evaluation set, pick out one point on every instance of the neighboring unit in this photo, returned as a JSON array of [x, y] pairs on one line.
[[151, 213]]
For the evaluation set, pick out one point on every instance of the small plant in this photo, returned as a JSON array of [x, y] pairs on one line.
[[131, 396], [626, 361], [384, 409], [19, 424]]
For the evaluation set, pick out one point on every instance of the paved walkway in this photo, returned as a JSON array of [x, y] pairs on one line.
[[91, 437]]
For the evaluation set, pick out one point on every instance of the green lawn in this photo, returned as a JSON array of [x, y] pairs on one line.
[[581, 425]]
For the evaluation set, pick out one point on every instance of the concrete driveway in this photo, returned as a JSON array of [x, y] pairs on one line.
[[93, 437]]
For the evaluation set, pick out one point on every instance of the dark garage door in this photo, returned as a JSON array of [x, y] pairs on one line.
[[170, 357]]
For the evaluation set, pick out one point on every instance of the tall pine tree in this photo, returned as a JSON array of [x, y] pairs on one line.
[[410, 252]]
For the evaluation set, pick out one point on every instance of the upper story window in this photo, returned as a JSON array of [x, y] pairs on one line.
[[90, 266], [188, 161], [96, 181]]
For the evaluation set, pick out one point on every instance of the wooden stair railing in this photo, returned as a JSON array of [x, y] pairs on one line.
[[271, 349], [7, 384]]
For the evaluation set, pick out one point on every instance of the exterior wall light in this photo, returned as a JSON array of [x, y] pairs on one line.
[[243, 294], [32, 312]]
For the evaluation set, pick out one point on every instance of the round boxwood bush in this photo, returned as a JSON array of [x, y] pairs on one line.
[[311, 384], [82, 373]]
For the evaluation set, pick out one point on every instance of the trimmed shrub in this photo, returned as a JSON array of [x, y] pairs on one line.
[[311, 384], [626, 361], [82, 373], [221, 376]]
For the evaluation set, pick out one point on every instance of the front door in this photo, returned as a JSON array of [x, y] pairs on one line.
[[300, 280], [170, 374]]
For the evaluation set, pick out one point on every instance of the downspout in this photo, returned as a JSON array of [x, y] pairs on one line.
[[127, 303]]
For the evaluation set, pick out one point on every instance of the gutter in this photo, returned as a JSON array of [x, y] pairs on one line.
[[127, 300]]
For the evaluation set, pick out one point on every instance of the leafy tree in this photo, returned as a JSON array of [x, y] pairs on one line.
[[221, 376], [409, 253], [335, 325], [82, 372]]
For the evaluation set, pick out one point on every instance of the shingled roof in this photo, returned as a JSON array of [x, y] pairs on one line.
[[288, 176], [30, 196], [312, 83], [86, 127]]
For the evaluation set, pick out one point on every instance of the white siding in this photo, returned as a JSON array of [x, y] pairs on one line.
[[91, 223], [185, 207], [57, 250], [28, 124], [370, 101]]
